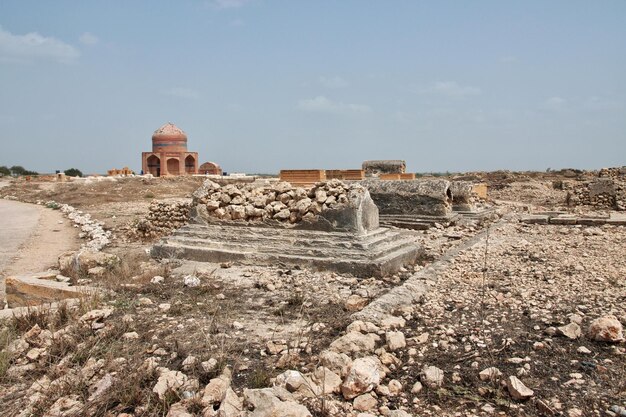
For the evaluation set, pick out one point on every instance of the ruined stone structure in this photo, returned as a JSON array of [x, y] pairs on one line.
[[302, 177], [210, 168], [602, 193], [420, 204], [332, 226], [377, 167], [345, 174], [169, 154], [429, 198], [124, 171]]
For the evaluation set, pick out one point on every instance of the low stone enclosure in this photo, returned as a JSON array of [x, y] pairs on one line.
[[333, 226]]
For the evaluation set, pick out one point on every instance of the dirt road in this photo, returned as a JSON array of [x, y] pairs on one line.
[[31, 239]]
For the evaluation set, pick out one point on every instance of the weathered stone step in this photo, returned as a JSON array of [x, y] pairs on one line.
[[378, 253], [298, 238], [298, 247]]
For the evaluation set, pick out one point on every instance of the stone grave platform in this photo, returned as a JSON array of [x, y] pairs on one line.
[[377, 253]]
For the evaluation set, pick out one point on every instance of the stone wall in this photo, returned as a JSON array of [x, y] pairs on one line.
[[426, 198], [375, 168], [602, 193], [328, 205], [163, 218]]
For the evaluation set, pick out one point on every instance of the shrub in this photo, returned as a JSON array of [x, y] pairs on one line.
[[73, 172]]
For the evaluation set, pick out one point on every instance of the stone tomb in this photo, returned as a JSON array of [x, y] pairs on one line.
[[332, 226], [419, 204]]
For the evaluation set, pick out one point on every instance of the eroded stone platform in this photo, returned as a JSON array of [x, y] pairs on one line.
[[378, 253]]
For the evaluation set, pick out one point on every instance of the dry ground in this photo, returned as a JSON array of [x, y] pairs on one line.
[[501, 300]]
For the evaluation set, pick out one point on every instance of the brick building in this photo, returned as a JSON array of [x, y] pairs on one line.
[[169, 156]]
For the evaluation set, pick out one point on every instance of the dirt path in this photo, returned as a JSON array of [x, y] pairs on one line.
[[31, 239]]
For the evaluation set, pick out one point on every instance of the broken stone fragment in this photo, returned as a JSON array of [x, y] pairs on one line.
[[571, 331], [395, 340], [490, 374], [169, 381], [517, 389]]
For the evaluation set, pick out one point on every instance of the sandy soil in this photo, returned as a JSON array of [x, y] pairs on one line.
[[33, 237]]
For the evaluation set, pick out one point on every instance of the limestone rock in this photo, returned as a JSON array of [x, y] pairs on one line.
[[571, 331], [327, 380], [355, 342], [363, 376], [265, 403], [417, 388], [231, 406], [365, 402], [169, 380], [338, 363], [178, 410], [517, 389], [432, 376], [215, 390], [606, 329], [65, 406], [355, 303], [489, 374], [298, 384], [395, 340]]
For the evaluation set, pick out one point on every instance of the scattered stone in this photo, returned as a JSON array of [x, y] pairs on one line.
[[191, 281], [517, 389], [571, 331], [490, 374], [417, 388], [432, 376]]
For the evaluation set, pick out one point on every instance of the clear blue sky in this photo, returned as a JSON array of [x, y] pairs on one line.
[[260, 85]]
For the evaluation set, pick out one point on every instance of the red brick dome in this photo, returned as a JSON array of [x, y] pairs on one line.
[[169, 138]]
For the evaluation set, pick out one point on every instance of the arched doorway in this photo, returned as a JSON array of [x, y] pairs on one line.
[[190, 165], [173, 166], [154, 165]]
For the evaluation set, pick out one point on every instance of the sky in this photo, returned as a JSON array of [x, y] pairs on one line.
[[264, 85]]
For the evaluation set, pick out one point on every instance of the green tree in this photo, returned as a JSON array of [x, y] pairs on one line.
[[20, 170], [4, 170], [73, 172]]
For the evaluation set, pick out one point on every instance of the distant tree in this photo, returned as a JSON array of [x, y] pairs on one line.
[[20, 170], [73, 172], [17, 170], [4, 170]]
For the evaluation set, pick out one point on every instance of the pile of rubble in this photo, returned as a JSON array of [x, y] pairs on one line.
[[282, 201], [614, 172], [602, 193], [163, 217]]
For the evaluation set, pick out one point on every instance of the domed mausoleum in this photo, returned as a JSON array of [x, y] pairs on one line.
[[169, 154]]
